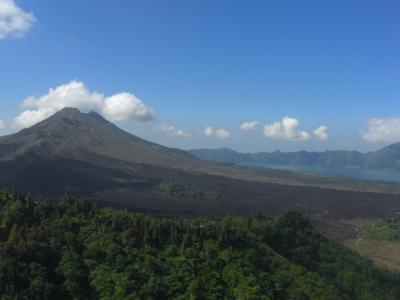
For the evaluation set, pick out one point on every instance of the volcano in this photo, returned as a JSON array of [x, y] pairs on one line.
[[85, 152]]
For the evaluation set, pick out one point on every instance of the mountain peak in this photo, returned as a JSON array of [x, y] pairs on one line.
[[75, 114], [67, 114], [69, 111]]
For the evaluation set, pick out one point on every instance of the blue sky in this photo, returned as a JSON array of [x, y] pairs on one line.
[[188, 65]]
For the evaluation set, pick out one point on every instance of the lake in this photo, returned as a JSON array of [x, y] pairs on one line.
[[359, 173]]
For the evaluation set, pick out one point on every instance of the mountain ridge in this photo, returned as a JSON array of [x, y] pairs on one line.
[[387, 158]]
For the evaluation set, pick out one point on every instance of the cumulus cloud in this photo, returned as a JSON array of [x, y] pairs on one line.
[[171, 130], [247, 126], [30, 117], [288, 129], [2, 125], [382, 130], [126, 106], [13, 20], [118, 107], [320, 133], [218, 133]]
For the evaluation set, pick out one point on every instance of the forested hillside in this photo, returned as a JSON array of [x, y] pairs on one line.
[[70, 249]]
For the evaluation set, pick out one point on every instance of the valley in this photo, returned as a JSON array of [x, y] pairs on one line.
[[89, 157]]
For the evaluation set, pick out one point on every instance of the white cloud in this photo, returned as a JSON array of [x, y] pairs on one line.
[[13, 20], [320, 133], [222, 134], [2, 125], [30, 117], [171, 130], [384, 130], [286, 129], [249, 125], [126, 106], [218, 133], [122, 106], [208, 131]]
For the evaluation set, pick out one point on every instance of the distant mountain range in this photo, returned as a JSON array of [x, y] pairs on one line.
[[387, 158]]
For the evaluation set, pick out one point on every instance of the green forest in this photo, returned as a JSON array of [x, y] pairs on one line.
[[72, 249], [170, 189]]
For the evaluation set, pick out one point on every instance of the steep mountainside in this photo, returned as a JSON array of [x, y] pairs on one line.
[[74, 135], [387, 158]]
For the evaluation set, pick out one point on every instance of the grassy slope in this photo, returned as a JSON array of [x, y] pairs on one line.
[[379, 240], [385, 254]]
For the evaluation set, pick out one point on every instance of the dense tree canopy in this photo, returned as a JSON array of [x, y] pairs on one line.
[[70, 249]]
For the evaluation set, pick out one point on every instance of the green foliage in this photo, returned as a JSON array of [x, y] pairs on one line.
[[72, 250], [385, 229], [173, 189]]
